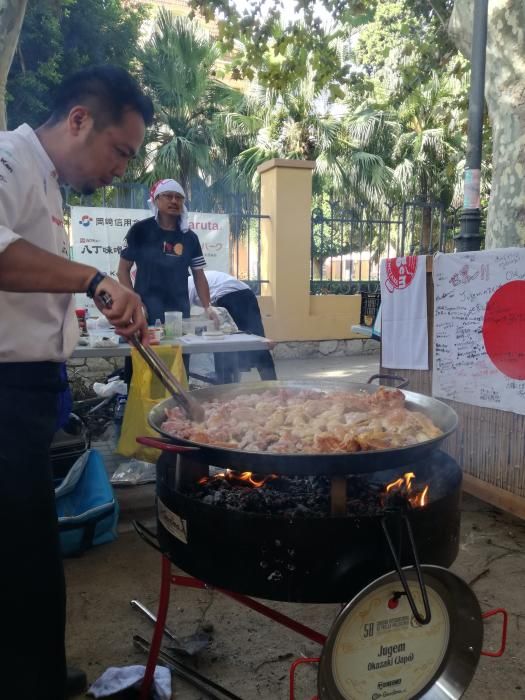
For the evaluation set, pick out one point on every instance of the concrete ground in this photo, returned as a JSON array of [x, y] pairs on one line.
[[250, 655]]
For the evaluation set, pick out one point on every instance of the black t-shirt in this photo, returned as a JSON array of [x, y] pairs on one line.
[[162, 258]]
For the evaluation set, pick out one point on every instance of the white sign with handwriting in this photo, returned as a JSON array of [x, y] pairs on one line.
[[479, 328]]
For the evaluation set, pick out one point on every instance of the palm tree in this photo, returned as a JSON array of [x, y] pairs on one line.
[[300, 123], [422, 141], [179, 68]]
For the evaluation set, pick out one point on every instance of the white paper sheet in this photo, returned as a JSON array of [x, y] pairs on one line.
[[479, 328]]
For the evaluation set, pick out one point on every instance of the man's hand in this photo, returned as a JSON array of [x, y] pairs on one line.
[[213, 316], [126, 312]]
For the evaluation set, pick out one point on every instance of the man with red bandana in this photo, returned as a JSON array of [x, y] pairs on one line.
[[164, 249]]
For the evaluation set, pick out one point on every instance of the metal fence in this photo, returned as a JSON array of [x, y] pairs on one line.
[[348, 243]]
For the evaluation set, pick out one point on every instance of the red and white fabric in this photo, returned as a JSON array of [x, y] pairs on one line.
[[404, 332], [479, 328]]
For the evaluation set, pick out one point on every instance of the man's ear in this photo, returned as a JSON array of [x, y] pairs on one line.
[[79, 119]]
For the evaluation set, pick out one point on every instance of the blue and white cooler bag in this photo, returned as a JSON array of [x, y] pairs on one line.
[[86, 506]]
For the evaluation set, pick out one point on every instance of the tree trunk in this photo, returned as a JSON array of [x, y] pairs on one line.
[[505, 95], [11, 17], [426, 245]]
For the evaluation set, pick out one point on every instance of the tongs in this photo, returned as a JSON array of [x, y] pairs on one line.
[[189, 405]]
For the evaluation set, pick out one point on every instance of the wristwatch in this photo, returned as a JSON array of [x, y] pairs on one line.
[[95, 281]]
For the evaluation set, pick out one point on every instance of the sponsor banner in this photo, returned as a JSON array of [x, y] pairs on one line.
[[97, 237], [213, 231]]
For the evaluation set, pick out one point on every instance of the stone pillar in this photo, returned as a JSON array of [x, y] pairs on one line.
[[286, 197]]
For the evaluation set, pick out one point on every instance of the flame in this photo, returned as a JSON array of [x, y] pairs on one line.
[[404, 487], [247, 477], [424, 496]]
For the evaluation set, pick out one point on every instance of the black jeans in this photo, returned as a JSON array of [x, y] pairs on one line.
[[32, 590], [243, 308]]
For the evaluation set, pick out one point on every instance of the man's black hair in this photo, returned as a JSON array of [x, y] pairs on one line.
[[107, 91]]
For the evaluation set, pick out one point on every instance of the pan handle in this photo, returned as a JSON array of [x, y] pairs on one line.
[[425, 618], [505, 618], [164, 445], [403, 380]]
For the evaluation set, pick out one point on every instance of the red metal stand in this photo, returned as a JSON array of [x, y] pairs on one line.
[[167, 579], [162, 613], [284, 620]]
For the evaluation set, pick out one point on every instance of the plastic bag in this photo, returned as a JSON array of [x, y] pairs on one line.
[[202, 322], [144, 393], [227, 324], [109, 389], [134, 473]]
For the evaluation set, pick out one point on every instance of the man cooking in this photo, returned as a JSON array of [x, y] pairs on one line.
[[164, 248], [97, 124]]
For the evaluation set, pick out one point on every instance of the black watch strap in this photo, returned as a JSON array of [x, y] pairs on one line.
[[95, 281]]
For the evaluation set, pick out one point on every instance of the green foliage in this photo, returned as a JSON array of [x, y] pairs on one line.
[[59, 37], [188, 141], [261, 32], [378, 99], [265, 36]]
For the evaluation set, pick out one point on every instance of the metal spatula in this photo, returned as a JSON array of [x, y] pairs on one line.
[[189, 405], [192, 407]]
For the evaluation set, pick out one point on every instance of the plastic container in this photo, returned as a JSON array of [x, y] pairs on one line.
[[196, 325], [370, 302], [173, 324], [91, 324], [155, 335], [81, 318]]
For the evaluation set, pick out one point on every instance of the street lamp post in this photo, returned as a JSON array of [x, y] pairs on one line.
[[469, 237]]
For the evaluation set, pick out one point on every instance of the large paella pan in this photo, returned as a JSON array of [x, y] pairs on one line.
[[329, 463]]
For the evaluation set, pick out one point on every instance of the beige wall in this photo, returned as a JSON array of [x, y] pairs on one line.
[[289, 311]]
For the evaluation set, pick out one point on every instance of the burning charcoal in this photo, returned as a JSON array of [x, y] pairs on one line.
[[281, 485], [309, 496]]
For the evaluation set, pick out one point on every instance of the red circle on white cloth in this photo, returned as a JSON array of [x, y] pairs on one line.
[[400, 272], [504, 329]]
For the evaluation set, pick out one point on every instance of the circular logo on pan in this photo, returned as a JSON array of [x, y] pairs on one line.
[[400, 272], [379, 652]]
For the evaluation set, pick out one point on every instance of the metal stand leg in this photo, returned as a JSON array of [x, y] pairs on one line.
[[272, 614], [165, 584]]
